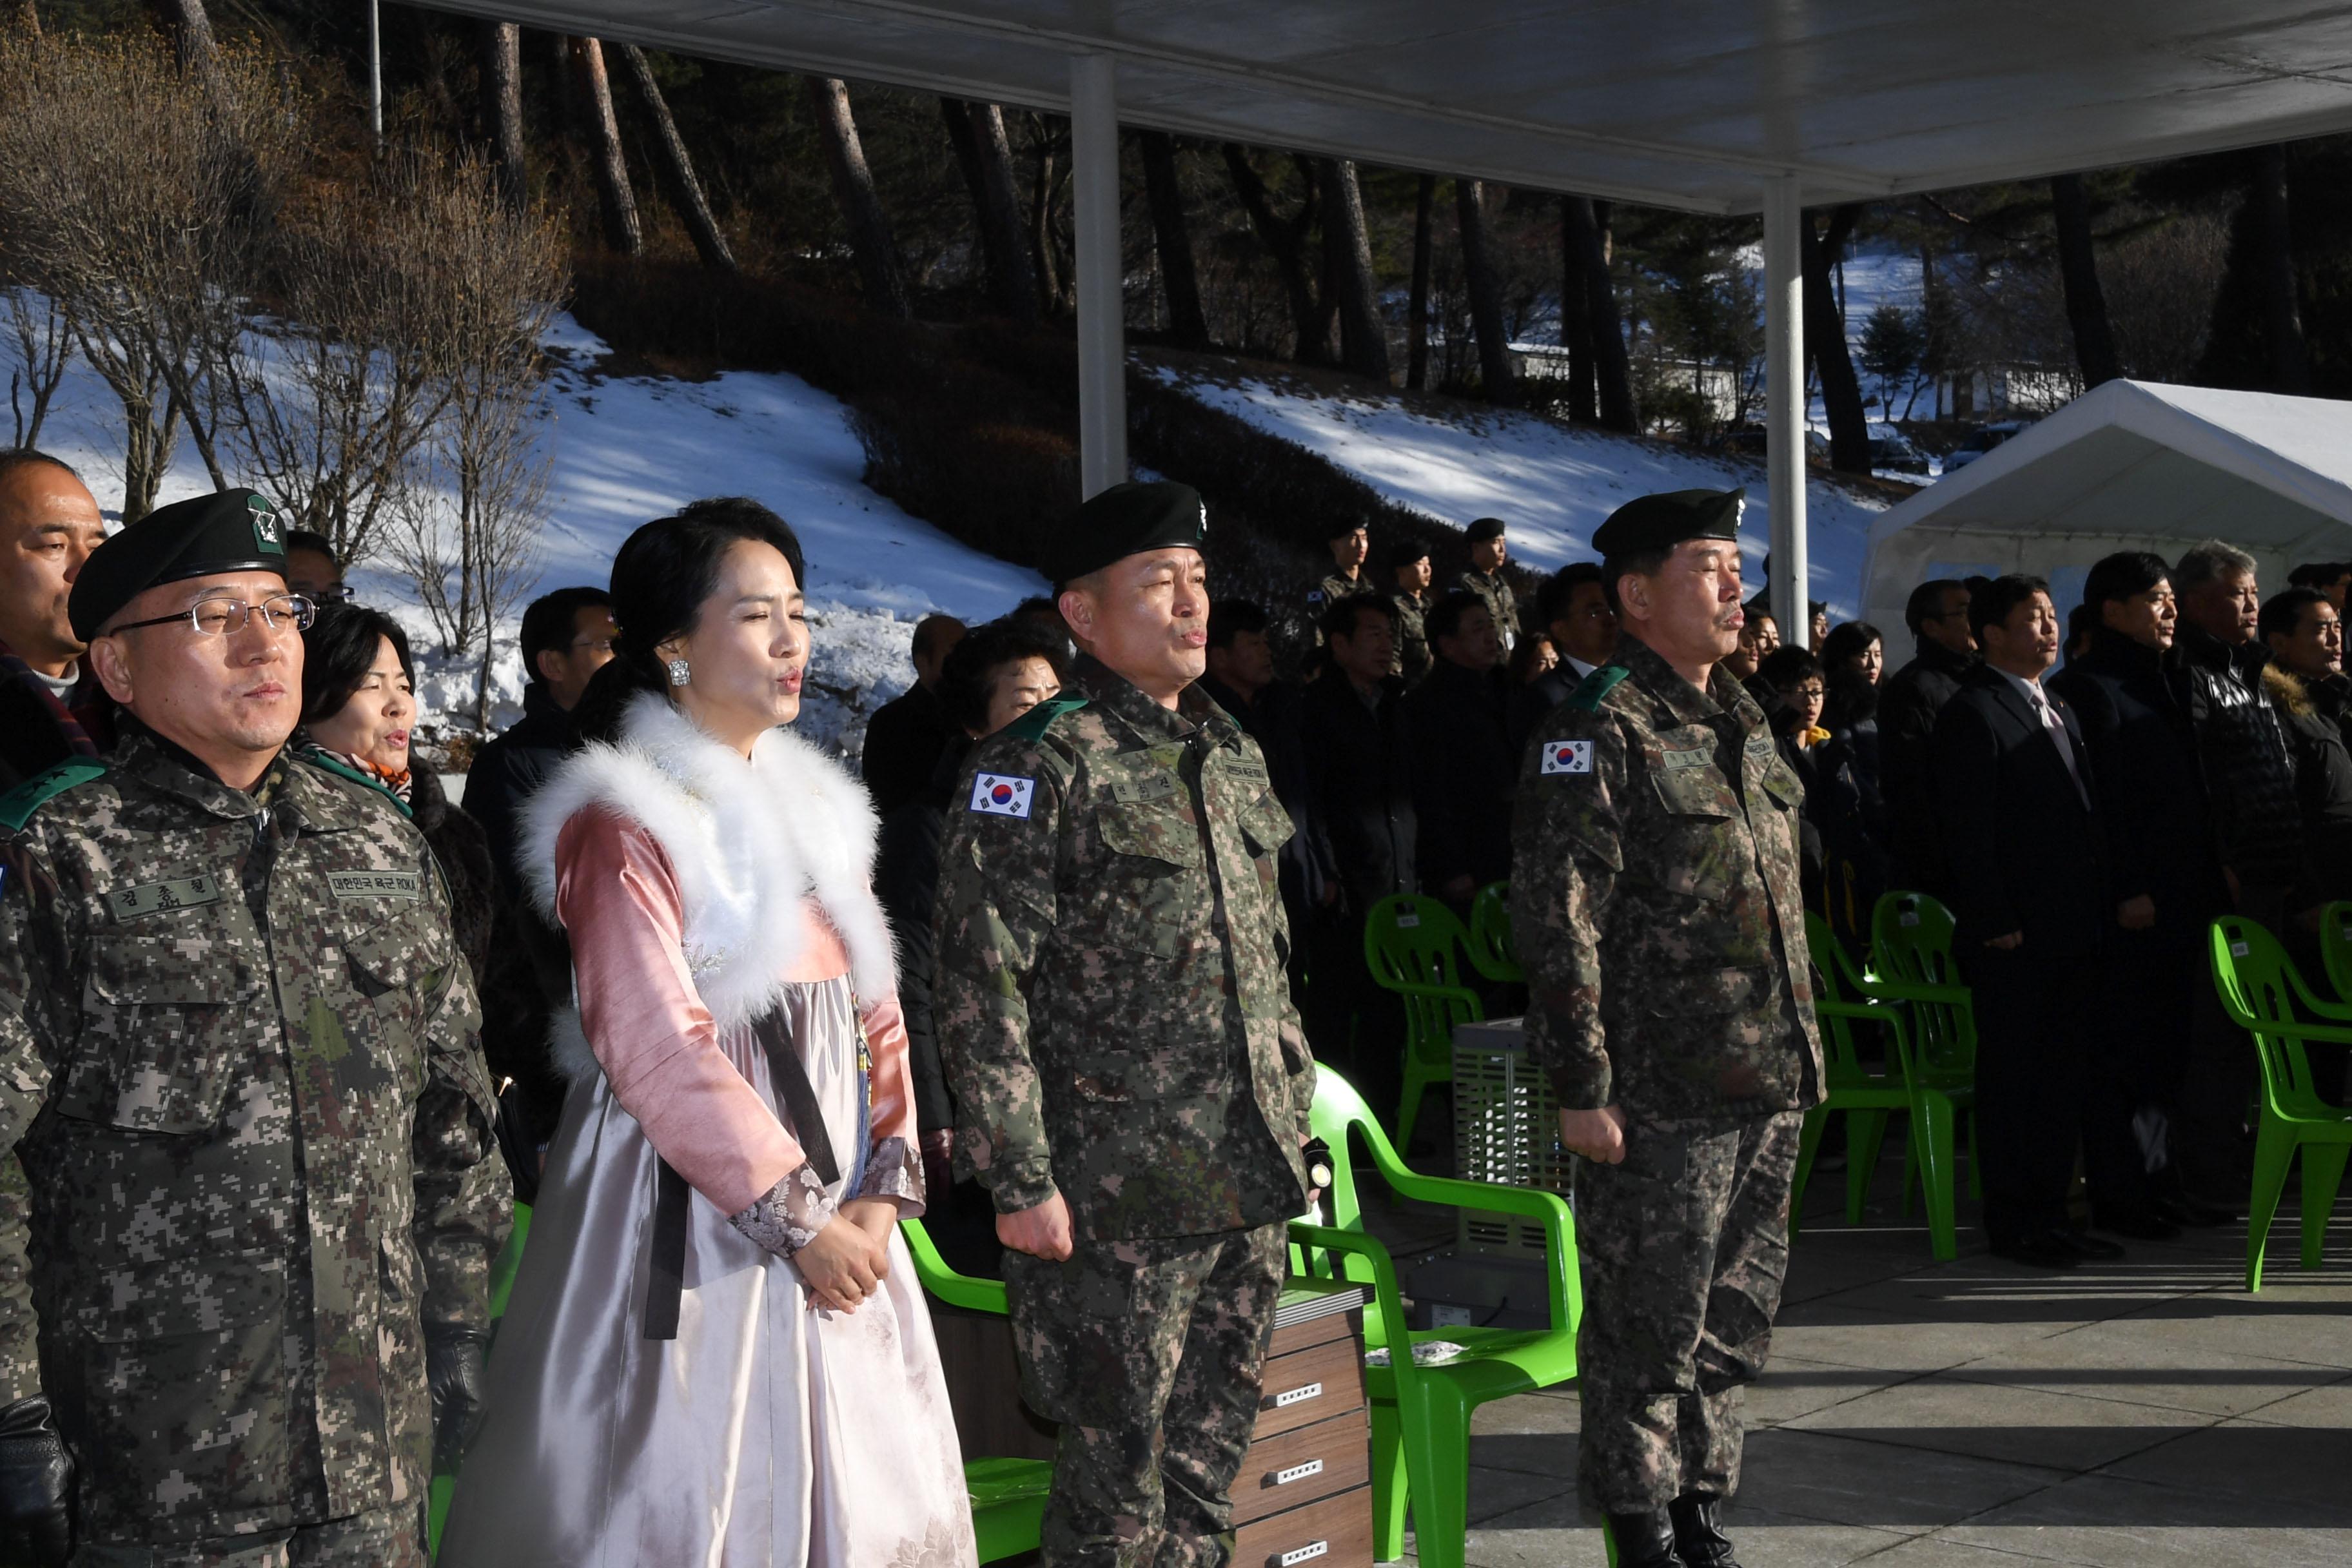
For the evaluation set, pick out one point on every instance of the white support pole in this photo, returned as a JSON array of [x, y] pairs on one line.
[[1102, 335], [375, 71], [1784, 403]]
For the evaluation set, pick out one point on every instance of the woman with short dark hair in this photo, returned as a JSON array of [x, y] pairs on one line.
[[717, 1350]]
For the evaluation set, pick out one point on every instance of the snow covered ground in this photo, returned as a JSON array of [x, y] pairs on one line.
[[630, 449], [1553, 484]]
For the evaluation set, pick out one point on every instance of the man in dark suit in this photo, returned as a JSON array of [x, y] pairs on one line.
[[1938, 614], [907, 734], [2027, 877]]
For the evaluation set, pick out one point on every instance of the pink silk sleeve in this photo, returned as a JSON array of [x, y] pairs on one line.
[[619, 901], [894, 1162]]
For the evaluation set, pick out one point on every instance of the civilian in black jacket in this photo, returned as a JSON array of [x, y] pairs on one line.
[[991, 677], [2027, 882], [1572, 607], [1464, 771], [2162, 873], [1359, 764], [52, 710], [2305, 641], [1241, 681], [1938, 614], [904, 737]]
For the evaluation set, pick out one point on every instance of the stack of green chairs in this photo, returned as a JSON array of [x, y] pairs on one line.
[[2335, 946], [1493, 951], [1865, 1098], [1421, 1414], [1411, 942], [1914, 967], [2263, 995]]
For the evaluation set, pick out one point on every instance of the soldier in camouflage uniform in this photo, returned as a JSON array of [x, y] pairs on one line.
[[1132, 1084], [1351, 544], [1409, 566], [1488, 551], [237, 1066], [1654, 886]]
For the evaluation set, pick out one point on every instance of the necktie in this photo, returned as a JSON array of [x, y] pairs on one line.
[[2057, 728]]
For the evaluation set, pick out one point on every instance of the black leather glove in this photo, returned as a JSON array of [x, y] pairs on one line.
[[35, 1487], [454, 1369]]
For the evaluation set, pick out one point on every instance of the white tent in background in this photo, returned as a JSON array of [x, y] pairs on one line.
[[2131, 465]]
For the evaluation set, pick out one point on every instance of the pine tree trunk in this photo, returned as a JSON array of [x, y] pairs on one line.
[[502, 81], [2078, 269], [1416, 310], [976, 131], [1486, 293], [686, 191], [1287, 241], [1825, 342], [192, 31], [614, 199], [1347, 256], [861, 208], [2274, 274], [1172, 237], [1613, 371], [1575, 314]]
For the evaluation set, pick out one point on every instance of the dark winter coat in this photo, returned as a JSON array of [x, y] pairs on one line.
[[1465, 774], [1359, 764], [463, 849], [2248, 774], [1274, 721], [903, 741], [2323, 788], [36, 731], [508, 769], [1908, 702], [2151, 789], [907, 882]]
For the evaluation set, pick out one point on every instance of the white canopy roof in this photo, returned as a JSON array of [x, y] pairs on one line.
[[2131, 465], [1677, 103]]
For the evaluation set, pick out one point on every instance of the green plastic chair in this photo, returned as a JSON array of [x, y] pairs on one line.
[[502, 1279], [2335, 946], [1008, 1495], [1913, 964], [1865, 1098], [1421, 1414], [1494, 953], [2264, 996], [1411, 943]]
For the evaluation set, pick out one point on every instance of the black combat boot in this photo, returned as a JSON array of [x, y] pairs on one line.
[[1642, 1540], [1699, 1534]]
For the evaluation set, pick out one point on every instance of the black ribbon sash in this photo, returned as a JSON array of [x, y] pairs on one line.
[[803, 1118]]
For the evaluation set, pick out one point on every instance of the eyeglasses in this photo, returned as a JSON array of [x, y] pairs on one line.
[[225, 618], [592, 644], [336, 594]]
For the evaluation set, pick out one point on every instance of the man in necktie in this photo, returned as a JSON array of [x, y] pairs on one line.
[[2028, 879]]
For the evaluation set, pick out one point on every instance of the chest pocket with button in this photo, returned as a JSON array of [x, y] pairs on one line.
[[393, 974], [1155, 873], [1697, 852], [169, 1012]]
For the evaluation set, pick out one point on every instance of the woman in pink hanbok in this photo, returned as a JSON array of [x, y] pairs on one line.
[[716, 1353]]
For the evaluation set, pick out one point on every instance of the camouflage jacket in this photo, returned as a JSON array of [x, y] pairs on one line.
[[1502, 603], [1412, 656], [1653, 894], [237, 1068], [1109, 997]]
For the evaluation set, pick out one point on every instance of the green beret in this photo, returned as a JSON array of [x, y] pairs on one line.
[[1412, 552], [1662, 522], [234, 531], [1485, 529], [1123, 521]]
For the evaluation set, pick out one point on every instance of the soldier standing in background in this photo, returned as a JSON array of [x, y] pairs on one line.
[[1654, 891], [1488, 551], [236, 1064], [1131, 1079], [1351, 544], [1409, 566]]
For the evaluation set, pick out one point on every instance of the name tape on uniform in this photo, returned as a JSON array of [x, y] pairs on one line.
[[376, 884], [1002, 794], [1567, 756], [129, 903]]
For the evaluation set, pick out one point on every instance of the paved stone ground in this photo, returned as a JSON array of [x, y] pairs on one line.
[[1974, 1414]]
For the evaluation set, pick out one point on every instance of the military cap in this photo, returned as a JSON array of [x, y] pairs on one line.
[[1341, 525], [1410, 553], [233, 530], [1664, 521], [1486, 527], [1123, 521]]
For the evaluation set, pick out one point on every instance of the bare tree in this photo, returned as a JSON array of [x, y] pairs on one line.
[[1163, 189], [853, 189], [619, 202], [2273, 258], [502, 85], [976, 132], [1348, 261], [2160, 284], [1416, 315], [140, 196], [1285, 240], [192, 31], [686, 191], [1825, 340], [2078, 268], [45, 346], [1486, 293]]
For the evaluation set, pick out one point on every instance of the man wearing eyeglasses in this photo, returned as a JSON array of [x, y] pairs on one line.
[[236, 1071], [312, 569]]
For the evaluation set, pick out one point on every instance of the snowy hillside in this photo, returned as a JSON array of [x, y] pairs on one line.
[[630, 449], [1553, 484]]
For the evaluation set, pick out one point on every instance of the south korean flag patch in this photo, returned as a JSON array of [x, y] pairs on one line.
[[1002, 794], [1567, 756]]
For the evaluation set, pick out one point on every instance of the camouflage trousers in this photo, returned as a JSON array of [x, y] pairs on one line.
[[1683, 1247], [1150, 1354], [388, 1538]]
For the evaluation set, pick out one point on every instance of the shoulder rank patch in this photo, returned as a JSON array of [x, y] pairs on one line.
[[1567, 756], [1002, 794], [1031, 725], [1586, 698], [16, 807]]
